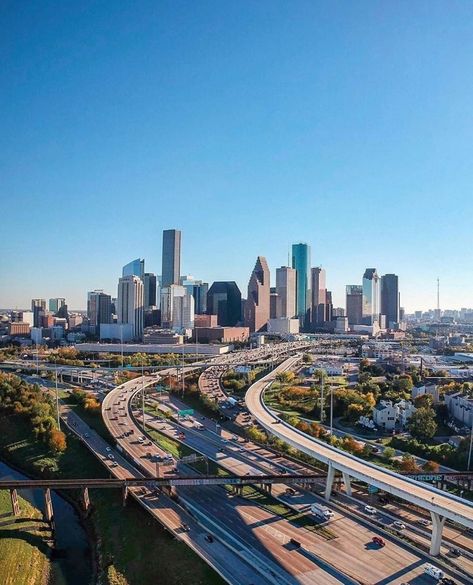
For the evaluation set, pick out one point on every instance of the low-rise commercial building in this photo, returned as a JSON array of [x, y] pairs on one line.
[[221, 334]]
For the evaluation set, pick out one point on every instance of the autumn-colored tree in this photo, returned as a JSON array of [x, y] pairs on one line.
[[57, 441], [408, 464], [431, 467]]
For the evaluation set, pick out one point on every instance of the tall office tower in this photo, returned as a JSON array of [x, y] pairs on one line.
[[371, 297], [130, 304], [177, 307], [99, 309], [328, 306], [134, 268], [257, 304], [38, 306], [301, 262], [318, 297], [286, 290], [354, 304], [273, 302], [149, 285], [171, 257], [56, 304], [224, 300], [390, 299], [198, 290]]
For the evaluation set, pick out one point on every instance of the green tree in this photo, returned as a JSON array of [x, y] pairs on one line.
[[389, 453], [422, 424]]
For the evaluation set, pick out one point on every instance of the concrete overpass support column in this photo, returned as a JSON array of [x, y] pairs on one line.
[[437, 529], [347, 482], [15, 504], [125, 495], [85, 500], [48, 505], [329, 484]]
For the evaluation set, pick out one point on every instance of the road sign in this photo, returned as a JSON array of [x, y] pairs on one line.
[[372, 489], [187, 412], [190, 458]]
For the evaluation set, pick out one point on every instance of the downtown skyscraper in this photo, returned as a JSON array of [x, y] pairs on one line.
[[257, 306], [390, 299], [171, 268], [301, 263]]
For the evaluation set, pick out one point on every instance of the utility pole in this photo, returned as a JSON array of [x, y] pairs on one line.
[[143, 393], [331, 409]]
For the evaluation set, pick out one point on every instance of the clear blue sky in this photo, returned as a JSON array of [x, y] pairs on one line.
[[248, 125]]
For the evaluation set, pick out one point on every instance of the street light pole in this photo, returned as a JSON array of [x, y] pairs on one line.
[[331, 409]]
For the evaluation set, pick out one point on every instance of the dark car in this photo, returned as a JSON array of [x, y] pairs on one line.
[[209, 538], [447, 581], [185, 527], [455, 552]]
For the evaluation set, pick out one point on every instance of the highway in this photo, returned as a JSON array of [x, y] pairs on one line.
[[348, 550], [441, 504]]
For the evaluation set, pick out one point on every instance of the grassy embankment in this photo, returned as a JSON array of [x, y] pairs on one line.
[[132, 548], [24, 544]]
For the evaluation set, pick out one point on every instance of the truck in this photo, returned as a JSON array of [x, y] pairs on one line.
[[199, 426], [232, 401], [321, 511]]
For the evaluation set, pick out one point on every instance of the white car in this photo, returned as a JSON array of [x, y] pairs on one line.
[[370, 510], [399, 525], [108, 449], [434, 572]]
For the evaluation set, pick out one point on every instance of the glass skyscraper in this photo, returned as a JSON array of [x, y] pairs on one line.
[[171, 257], [301, 262], [134, 268], [371, 297]]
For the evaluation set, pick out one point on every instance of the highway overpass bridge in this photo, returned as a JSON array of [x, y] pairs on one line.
[[440, 504]]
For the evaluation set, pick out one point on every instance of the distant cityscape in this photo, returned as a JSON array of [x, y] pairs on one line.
[[171, 308]]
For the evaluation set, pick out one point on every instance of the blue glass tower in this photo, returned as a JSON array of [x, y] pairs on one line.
[[134, 268], [301, 262]]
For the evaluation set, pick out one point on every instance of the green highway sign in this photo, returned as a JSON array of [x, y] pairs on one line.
[[188, 412]]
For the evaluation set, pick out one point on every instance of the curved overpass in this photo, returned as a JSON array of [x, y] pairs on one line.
[[440, 504]]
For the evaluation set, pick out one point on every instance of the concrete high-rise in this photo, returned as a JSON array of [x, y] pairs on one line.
[[134, 268], [198, 290], [224, 300], [286, 291], [38, 306], [301, 263], [171, 257], [354, 307], [149, 287], [390, 299], [130, 304], [371, 297], [318, 297], [257, 306], [177, 307]]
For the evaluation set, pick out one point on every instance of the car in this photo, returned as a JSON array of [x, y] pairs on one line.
[[398, 525], [108, 449], [110, 456], [447, 581], [87, 436], [209, 538], [295, 543], [185, 527], [423, 521], [455, 552], [290, 492], [114, 464], [378, 540], [370, 510]]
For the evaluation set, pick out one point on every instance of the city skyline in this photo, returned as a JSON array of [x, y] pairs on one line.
[[249, 130]]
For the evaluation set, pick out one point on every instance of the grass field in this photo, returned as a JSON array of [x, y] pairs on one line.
[[133, 549], [23, 544]]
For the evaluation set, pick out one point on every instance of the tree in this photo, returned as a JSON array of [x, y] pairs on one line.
[[57, 441], [408, 464], [431, 467], [389, 453], [307, 358], [285, 377], [422, 424], [424, 401]]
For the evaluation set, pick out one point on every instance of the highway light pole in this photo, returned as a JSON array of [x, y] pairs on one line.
[[57, 404], [143, 393], [469, 452], [331, 409]]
